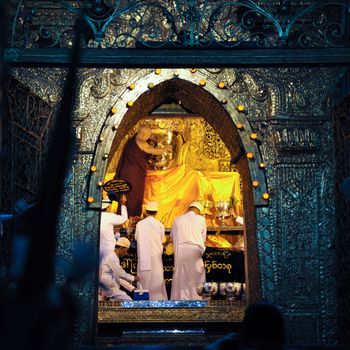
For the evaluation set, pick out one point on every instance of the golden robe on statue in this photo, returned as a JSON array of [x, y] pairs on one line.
[[175, 188]]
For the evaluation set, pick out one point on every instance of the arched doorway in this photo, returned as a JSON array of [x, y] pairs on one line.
[[224, 118]]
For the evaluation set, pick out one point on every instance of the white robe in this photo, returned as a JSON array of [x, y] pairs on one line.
[[112, 276], [188, 234], [150, 237], [107, 239]]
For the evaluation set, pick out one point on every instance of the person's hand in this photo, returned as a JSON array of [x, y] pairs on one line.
[[123, 199], [233, 213], [137, 278]]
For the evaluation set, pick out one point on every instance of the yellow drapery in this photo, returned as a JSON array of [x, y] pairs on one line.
[[174, 189]]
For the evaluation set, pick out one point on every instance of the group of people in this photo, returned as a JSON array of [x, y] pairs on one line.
[[188, 235], [111, 275]]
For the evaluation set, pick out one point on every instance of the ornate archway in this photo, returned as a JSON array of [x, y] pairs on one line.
[[221, 113]]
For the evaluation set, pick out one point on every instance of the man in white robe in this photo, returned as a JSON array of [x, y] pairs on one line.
[[112, 275], [150, 235], [108, 220], [188, 234]]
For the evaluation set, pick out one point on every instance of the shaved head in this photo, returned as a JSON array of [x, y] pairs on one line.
[[144, 133]]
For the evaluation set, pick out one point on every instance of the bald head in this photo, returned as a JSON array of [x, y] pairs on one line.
[[144, 133]]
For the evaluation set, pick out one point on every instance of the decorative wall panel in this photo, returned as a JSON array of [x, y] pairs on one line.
[[341, 119], [77, 236], [30, 119], [46, 84], [297, 205], [300, 181], [25, 132], [267, 252], [179, 23]]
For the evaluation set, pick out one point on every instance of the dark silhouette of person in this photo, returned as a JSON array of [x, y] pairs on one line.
[[263, 327]]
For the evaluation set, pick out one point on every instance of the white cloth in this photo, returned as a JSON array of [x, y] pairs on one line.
[[188, 233], [107, 239], [112, 276], [239, 220], [150, 235]]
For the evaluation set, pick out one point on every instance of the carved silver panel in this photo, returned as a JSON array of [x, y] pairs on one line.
[[341, 119]]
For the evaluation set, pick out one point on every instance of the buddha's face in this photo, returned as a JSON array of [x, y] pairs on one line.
[[164, 161]]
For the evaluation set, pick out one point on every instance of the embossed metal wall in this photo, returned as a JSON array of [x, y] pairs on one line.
[[341, 118], [25, 132], [286, 107]]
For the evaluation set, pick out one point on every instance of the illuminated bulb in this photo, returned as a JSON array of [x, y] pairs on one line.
[[101, 139], [150, 85], [262, 165], [158, 71], [250, 155], [266, 195], [100, 184], [202, 82], [221, 85], [223, 101], [93, 168], [239, 125], [193, 70], [105, 156], [132, 86], [240, 108], [115, 127], [255, 183], [130, 103], [254, 136], [176, 74], [90, 200], [114, 110]]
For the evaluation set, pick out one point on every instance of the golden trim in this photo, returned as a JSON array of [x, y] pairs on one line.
[[215, 311]]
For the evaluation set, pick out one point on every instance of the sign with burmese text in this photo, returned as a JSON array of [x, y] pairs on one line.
[[117, 186], [221, 265]]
